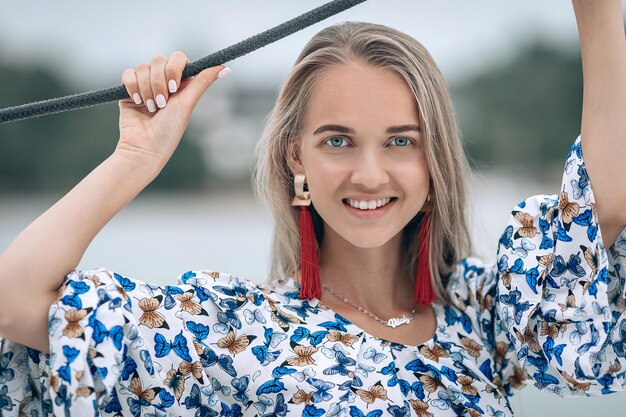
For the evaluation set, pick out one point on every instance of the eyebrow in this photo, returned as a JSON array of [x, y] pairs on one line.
[[343, 129]]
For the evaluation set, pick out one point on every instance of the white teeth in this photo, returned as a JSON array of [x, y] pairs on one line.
[[369, 205]]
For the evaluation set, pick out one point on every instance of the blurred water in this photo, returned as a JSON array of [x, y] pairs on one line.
[[159, 236]]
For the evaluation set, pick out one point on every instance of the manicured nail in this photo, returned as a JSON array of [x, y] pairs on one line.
[[171, 86], [161, 101], [151, 106], [224, 72], [137, 98]]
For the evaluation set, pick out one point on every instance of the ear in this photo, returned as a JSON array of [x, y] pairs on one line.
[[293, 156]]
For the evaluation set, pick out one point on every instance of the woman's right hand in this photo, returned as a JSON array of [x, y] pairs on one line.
[[154, 118]]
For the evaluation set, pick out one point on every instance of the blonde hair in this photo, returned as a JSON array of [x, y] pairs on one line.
[[390, 49]]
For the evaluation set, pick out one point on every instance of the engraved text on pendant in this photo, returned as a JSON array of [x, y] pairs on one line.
[[397, 321]]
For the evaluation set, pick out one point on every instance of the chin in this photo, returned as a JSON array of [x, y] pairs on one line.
[[369, 241]]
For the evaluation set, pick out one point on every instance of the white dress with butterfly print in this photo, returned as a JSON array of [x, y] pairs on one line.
[[549, 311]]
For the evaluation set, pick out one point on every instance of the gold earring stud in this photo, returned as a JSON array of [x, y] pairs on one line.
[[302, 197]]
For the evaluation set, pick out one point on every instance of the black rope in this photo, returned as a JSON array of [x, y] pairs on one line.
[[91, 98]]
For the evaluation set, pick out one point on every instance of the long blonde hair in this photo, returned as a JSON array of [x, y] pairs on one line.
[[387, 48]]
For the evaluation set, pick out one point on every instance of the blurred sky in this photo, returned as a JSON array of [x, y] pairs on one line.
[[94, 41]]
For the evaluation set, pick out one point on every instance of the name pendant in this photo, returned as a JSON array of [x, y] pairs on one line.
[[397, 321]]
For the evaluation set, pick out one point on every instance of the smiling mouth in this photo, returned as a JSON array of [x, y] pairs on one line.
[[363, 206]]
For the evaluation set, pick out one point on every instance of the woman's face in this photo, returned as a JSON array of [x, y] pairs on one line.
[[360, 147]]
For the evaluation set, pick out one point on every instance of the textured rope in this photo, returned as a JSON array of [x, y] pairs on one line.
[[91, 98]]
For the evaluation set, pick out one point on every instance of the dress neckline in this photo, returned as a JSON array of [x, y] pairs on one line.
[[291, 284]]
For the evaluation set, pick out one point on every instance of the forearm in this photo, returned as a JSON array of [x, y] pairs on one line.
[[603, 128], [36, 262]]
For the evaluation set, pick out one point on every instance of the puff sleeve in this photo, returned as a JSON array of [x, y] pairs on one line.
[[559, 293], [117, 346]]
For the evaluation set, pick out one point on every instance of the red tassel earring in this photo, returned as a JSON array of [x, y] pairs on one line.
[[424, 293], [309, 270]]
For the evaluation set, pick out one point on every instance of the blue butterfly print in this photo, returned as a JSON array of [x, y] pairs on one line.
[[114, 405], [582, 186], [126, 283], [199, 330], [531, 279], [397, 411], [254, 315], [280, 409], [620, 347], [543, 379], [494, 413], [518, 267], [551, 349], [321, 387], [577, 149], [343, 362], [561, 233], [505, 239], [104, 297], [539, 362], [179, 346], [452, 317], [115, 333], [606, 381], [303, 333], [273, 386], [602, 277], [262, 353], [145, 357], [6, 374], [226, 319], [210, 358], [512, 299], [595, 338], [212, 391], [339, 323], [234, 411], [312, 411], [194, 401], [444, 400], [586, 219], [559, 267], [356, 412], [377, 357], [241, 386]]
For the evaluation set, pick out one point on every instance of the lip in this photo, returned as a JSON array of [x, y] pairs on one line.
[[370, 214]]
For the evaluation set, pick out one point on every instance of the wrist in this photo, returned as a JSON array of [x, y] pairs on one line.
[[143, 165]]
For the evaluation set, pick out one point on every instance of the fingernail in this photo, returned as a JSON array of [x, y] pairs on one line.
[[224, 72], [151, 106], [161, 101], [171, 86], [137, 98]]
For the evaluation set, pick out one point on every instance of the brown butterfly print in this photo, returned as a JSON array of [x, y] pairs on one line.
[[528, 228], [568, 210], [233, 344], [466, 385], [375, 392], [592, 258], [346, 338], [420, 408], [176, 382], [431, 384], [529, 337], [303, 357], [517, 379], [187, 304], [302, 396], [136, 388], [471, 346], [502, 349], [435, 353], [151, 317], [577, 385], [570, 302], [193, 368], [74, 329]]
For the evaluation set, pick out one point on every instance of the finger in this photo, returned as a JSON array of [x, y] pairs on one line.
[[157, 80], [145, 89], [199, 84], [129, 79], [174, 70]]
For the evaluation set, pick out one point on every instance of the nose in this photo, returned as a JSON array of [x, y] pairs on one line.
[[369, 169]]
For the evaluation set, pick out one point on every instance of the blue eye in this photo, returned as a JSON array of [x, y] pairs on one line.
[[401, 141], [336, 141]]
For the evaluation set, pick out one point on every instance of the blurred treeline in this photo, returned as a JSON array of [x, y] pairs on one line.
[[520, 115]]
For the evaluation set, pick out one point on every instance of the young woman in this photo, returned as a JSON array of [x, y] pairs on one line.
[[375, 305]]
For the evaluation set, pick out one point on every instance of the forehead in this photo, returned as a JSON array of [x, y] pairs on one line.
[[361, 96]]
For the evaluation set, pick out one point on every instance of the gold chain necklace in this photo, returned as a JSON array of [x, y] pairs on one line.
[[392, 322]]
